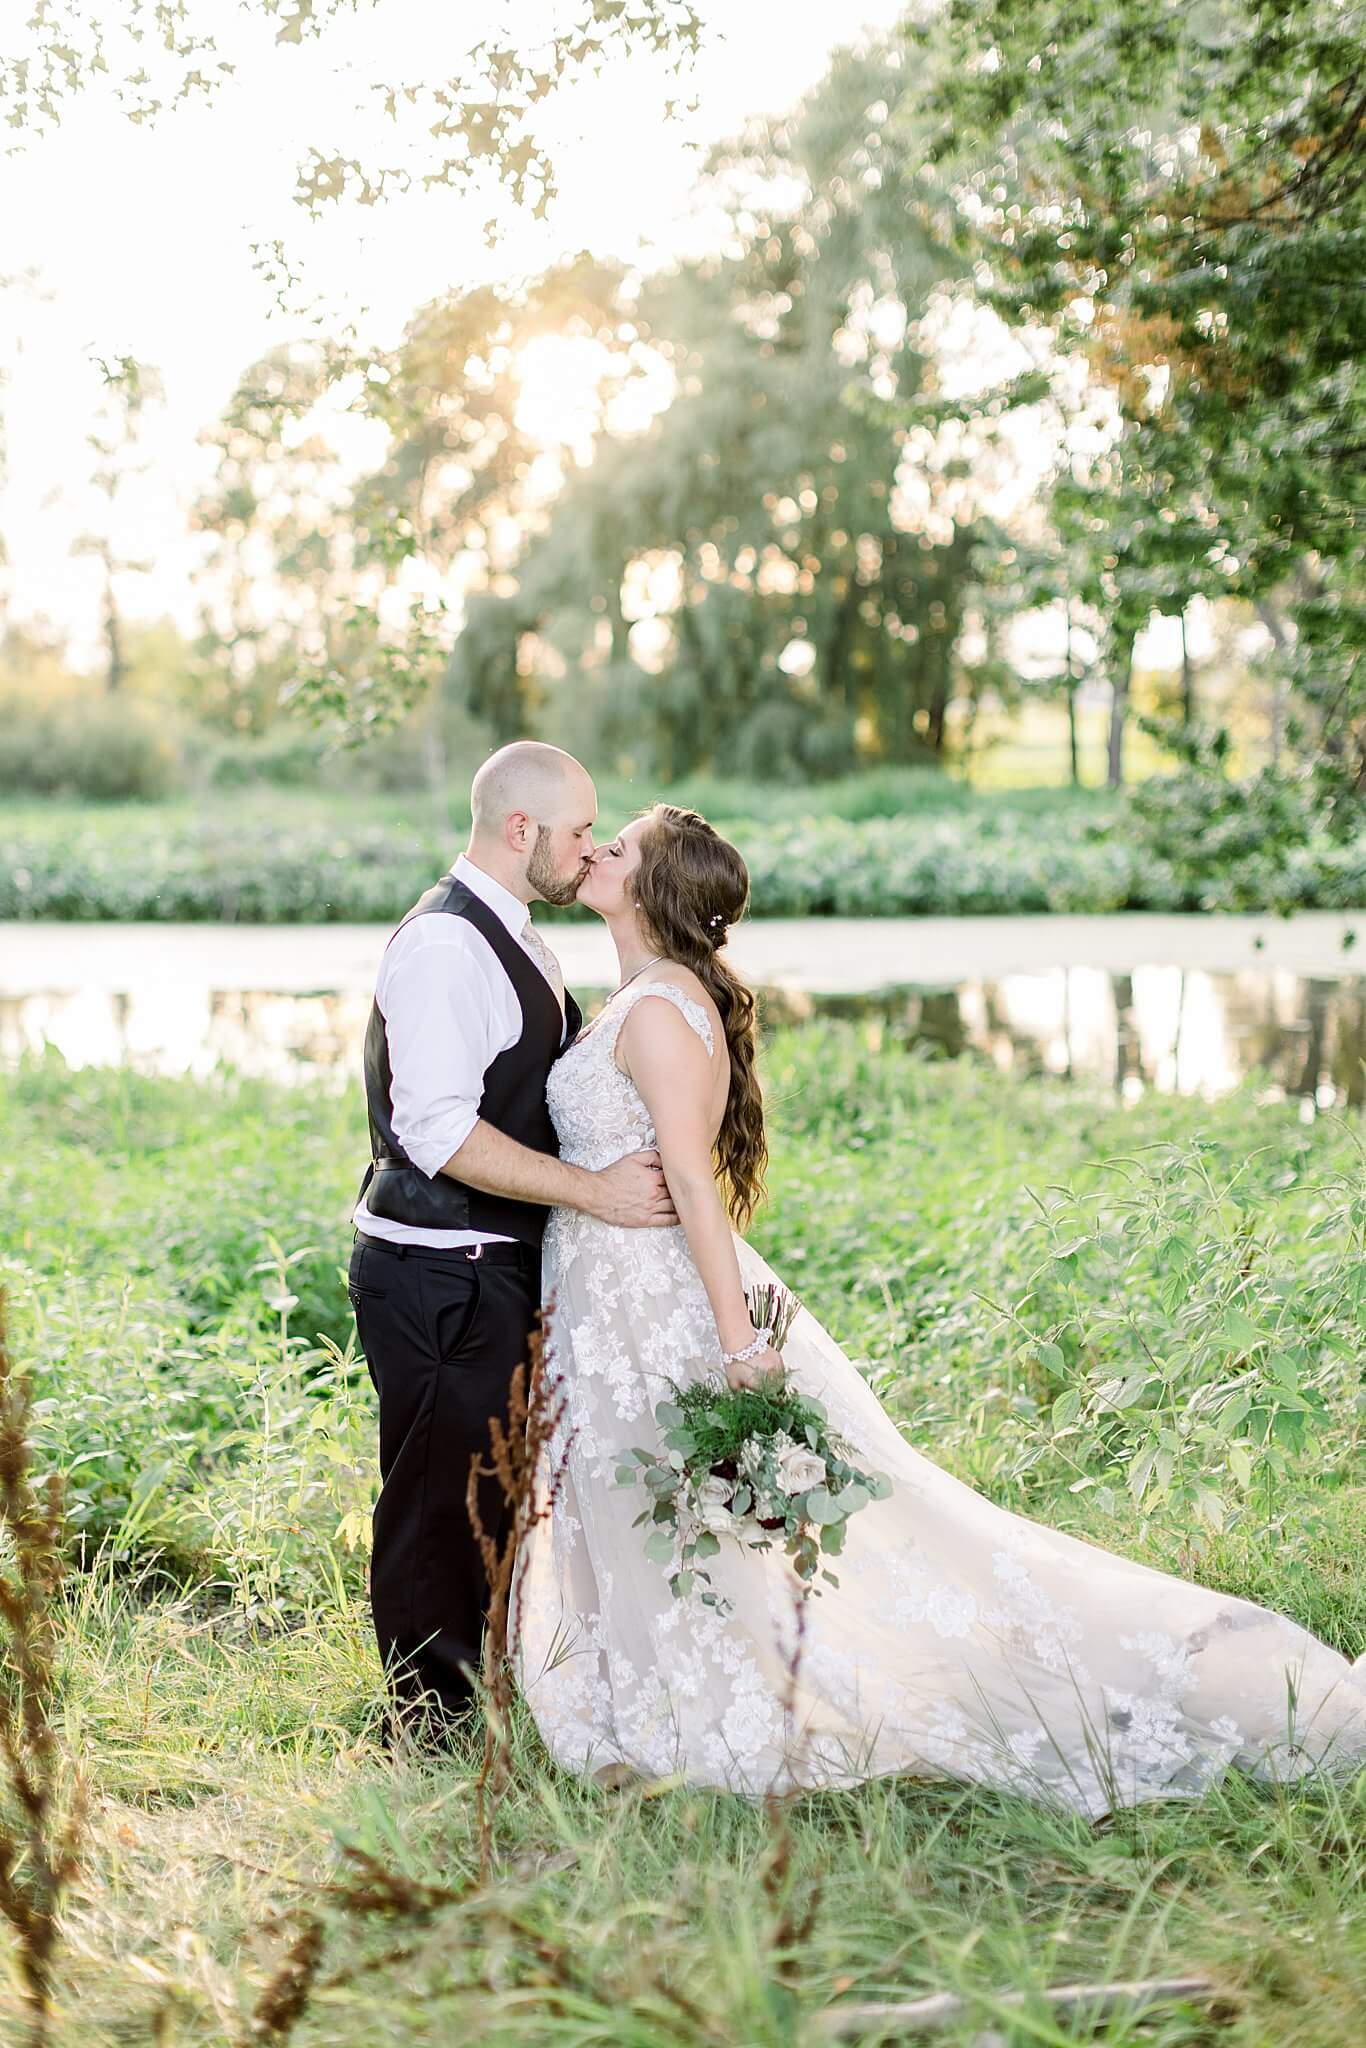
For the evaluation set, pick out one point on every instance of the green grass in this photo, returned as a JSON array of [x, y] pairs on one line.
[[884, 793], [221, 1682]]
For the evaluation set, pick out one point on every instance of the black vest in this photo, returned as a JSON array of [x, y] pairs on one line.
[[513, 1100]]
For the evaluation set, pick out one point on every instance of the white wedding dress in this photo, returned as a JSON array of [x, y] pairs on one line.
[[962, 1641]]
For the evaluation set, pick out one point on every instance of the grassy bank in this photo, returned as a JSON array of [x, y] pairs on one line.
[[174, 1251], [894, 845]]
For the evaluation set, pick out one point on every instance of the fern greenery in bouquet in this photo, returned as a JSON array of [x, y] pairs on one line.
[[759, 1464]]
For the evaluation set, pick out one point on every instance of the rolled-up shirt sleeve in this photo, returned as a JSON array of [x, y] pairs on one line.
[[443, 1034]]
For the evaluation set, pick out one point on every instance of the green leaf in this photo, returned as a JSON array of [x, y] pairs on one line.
[[1175, 1254], [1050, 1358], [1288, 1429], [659, 1546], [707, 1543], [819, 1507], [1066, 1408], [1141, 1471], [1209, 1508], [1241, 1329], [852, 1497]]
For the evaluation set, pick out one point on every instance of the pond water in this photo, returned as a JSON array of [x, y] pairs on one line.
[[1081, 997]]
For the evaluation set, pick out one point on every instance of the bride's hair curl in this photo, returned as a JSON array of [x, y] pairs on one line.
[[690, 886]]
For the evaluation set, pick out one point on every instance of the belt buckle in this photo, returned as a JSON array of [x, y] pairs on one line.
[[474, 1251]]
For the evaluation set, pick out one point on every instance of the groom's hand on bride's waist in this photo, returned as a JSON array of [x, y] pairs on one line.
[[633, 1192]]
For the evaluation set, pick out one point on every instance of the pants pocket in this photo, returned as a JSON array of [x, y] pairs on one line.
[[450, 1303], [360, 1279]]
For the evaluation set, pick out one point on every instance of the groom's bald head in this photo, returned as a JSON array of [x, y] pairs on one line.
[[533, 808], [534, 779]]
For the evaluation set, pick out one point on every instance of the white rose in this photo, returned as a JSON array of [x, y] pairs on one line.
[[751, 1457], [799, 1470], [712, 1504]]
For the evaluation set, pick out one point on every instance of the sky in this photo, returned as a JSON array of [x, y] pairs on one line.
[[139, 239]]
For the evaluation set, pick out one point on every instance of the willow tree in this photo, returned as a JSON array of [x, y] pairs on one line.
[[1179, 193], [817, 619], [818, 609]]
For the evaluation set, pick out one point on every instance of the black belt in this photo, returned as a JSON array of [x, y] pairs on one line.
[[527, 1256]]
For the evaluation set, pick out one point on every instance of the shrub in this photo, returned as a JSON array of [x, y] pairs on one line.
[[103, 749], [290, 757], [1259, 842], [999, 857]]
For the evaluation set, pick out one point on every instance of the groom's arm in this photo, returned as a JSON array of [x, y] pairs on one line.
[[449, 1011], [633, 1192]]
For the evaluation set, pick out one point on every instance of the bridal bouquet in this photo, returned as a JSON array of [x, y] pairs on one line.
[[760, 1464]]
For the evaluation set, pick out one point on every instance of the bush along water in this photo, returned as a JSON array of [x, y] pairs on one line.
[[187, 867]]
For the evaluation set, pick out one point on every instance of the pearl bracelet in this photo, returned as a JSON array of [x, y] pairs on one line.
[[750, 1351]]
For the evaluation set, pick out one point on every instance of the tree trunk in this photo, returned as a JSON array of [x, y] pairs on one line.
[[1187, 677], [1280, 640], [434, 755], [1121, 671], [1072, 750], [941, 688], [113, 631]]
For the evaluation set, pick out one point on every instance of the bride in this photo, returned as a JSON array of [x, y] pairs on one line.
[[962, 1640]]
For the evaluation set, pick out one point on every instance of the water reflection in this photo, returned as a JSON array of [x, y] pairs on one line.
[[1168, 1028]]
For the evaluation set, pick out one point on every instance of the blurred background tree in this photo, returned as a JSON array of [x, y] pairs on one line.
[[1178, 195], [130, 387], [1029, 327]]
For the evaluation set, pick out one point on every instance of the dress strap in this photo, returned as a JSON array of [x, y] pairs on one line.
[[671, 993]]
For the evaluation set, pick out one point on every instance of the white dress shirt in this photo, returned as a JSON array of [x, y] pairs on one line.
[[449, 1010]]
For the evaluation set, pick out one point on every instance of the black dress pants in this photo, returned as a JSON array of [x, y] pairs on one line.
[[442, 1335]]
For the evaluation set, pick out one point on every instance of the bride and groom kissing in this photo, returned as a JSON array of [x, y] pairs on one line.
[[518, 1156]]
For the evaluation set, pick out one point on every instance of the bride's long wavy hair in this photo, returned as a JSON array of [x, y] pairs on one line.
[[691, 885]]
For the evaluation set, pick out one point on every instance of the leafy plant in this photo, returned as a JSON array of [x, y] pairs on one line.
[[1183, 1355]]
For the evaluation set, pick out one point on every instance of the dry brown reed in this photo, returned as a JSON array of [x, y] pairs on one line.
[[790, 1920], [369, 1890], [535, 1413], [42, 1815]]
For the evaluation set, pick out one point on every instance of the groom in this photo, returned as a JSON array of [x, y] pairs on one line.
[[470, 1014]]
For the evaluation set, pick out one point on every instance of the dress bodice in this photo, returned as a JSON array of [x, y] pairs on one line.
[[597, 1110]]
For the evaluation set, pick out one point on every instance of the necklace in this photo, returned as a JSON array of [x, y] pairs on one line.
[[653, 959], [615, 993]]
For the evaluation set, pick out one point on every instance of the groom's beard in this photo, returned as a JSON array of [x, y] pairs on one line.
[[552, 888]]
